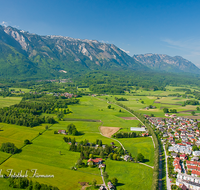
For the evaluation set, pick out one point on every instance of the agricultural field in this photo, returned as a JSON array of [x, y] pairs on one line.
[[139, 104], [84, 89], [8, 101], [142, 145], [20, 89], [130, 175], [50, 154]]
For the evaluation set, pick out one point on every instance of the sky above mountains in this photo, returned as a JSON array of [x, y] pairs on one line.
[[138, 27]]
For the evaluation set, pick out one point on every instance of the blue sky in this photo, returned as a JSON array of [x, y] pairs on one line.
[[136, 26]]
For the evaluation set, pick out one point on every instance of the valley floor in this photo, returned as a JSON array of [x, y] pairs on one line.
[[50, 155]]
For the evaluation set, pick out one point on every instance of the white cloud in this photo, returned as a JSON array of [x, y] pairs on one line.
[[4, 23], [125, 51], [16, 26], [190, 45], [102, 41], [188, 48]]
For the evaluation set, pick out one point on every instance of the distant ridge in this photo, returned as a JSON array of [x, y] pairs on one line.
[[162, 62], [31, 55]]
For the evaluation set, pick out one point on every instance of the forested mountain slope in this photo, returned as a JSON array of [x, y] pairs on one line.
[[26, 54]]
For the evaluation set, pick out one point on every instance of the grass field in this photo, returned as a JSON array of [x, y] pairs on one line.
[[142, 145], [4, 185], [130, 175], [17, 134], [22, 89], [84, 89], [8, 101], [135, 103]]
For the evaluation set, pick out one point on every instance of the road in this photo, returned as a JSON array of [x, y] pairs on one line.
[[104, 184], [167, 178]]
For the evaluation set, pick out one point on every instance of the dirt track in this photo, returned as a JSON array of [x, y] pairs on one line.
[[192, 117], [129, 118], [186, 111], [109, 131]]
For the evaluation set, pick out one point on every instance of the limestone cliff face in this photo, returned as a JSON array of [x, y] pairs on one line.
[[166, 63], [54, 49], [17, 36]]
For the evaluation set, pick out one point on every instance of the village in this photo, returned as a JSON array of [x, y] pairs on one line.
[[180, 136]]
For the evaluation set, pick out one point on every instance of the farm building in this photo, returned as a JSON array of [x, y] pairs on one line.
[[137, 129]]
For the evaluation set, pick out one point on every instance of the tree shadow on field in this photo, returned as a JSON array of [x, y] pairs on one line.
[[80, 133], [145, 160], [120, 184], [18, 151]]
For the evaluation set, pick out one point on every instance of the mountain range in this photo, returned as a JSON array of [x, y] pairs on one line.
[[25, 55], [162, 62]]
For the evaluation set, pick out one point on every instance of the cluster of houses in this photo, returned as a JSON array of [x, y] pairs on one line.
[[14, 92], [187, 181], [65, 94], [194, 166], [181, 148], [181, 134]]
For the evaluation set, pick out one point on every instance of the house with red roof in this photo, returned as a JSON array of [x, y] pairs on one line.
[[183, 157], [177, 166], [195, 173], [95, 161], [62, 132]]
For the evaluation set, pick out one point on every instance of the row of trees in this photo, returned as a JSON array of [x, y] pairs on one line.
[[25, 183], [125, 135], [29, 120], [166, 110], [191, 102], [121, 99], [27, 113]]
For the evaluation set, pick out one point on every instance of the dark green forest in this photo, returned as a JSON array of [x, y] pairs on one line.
[[102, 82]]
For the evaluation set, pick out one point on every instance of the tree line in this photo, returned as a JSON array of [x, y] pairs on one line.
[[25, 183], [27, 113], [125, 135]]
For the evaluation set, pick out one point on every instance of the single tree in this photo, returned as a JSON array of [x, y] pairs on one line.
[[27, 141], [94, 182], [114, 181], [165, 110], [140, 157]]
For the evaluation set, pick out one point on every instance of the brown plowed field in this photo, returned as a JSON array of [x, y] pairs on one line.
[[109, 131]]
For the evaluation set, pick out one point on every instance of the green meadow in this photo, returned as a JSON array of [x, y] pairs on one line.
[[142, 145], [130, 175], [5, 185], [22, 89], [8, 101], [139, 103]]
